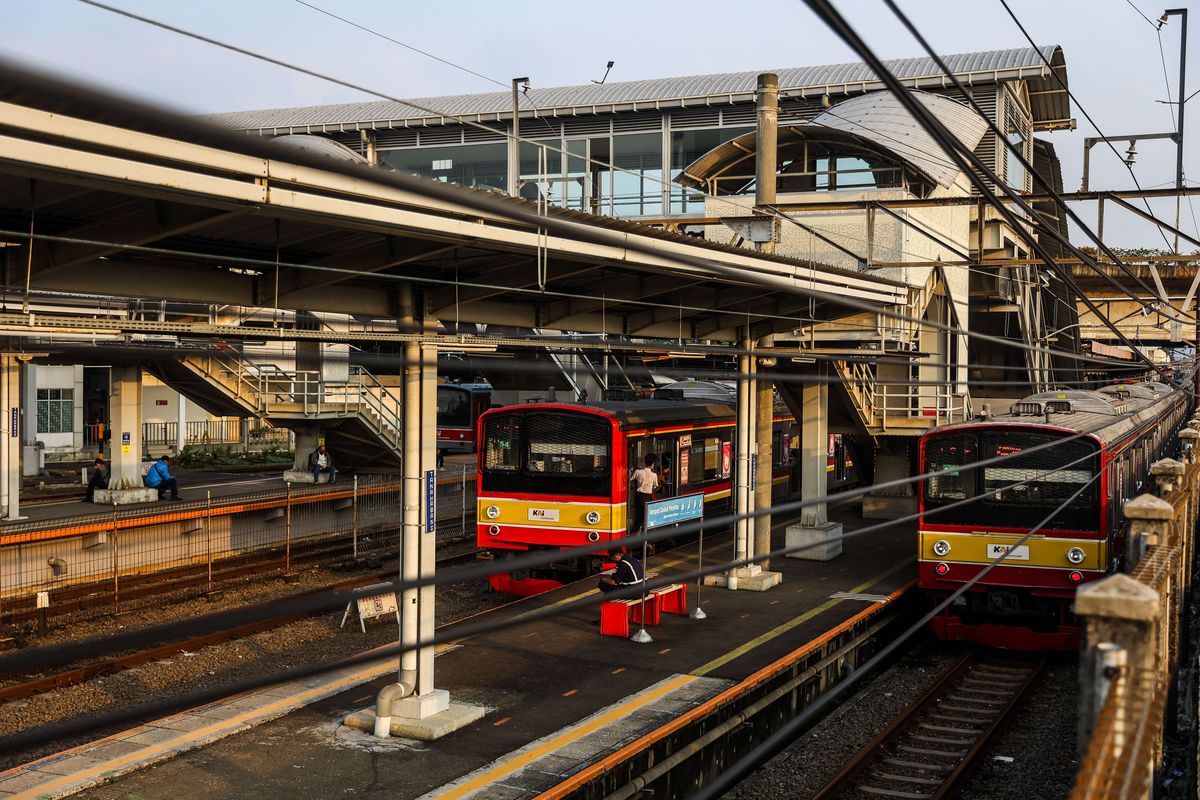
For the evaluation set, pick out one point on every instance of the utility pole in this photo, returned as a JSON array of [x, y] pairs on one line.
[[1182, 95], [514, 146]]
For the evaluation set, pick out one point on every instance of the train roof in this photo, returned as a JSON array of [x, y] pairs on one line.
[[639, 413], [1109, 414]]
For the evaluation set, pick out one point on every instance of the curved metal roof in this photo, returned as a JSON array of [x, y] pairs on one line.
[[876, 121], [1050, 104]]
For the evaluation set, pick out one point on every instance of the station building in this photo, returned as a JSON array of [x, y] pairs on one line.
[[679, 153]]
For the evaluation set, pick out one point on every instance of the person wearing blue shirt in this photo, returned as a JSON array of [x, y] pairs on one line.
[[159, 477]]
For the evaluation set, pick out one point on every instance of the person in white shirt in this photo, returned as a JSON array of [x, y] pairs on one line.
[[645, 483]]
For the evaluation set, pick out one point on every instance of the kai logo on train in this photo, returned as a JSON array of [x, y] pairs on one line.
[[543, 515], [1020, 553]]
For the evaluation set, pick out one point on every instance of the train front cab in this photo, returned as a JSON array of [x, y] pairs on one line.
[[550, 477], [1023, 603]]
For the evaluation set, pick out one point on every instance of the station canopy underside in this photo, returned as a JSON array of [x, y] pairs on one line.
[[127, 201]]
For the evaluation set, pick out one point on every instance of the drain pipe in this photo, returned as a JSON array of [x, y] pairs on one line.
[[410, 525]]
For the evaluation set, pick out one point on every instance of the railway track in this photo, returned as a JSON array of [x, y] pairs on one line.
[[923, 753], [107, 666]]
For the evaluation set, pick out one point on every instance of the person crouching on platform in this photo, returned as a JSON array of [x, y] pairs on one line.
[[629, 572], [160, 477], [321, 460], [99, 479]]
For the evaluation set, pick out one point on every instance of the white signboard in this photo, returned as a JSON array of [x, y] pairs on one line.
[[373, 606], [1014, 553], [543, 515]]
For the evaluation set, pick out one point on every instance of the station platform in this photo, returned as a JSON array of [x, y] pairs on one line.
[[558, 696]]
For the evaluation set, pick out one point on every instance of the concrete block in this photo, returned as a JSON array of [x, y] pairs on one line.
[[882, 506], [824, 542], [456, 716], [121, 497], [751, 580], [422, 706]]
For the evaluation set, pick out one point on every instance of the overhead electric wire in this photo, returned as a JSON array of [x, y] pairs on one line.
[[333, 600], [1058, 79], [798, 288], [463, 120], [782, 737], [968, 162]]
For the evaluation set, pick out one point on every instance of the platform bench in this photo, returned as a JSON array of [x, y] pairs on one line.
[[617, 615]]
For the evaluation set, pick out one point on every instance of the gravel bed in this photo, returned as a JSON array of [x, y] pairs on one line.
[[307, 641], [1039, 740], [1033, 758], [809, 762]]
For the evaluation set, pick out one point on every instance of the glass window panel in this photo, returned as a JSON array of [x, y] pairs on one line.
[[637, 180], [686, 147], [483, 166]]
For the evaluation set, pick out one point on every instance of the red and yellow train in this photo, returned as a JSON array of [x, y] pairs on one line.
[[554, 476], [1109, 438]]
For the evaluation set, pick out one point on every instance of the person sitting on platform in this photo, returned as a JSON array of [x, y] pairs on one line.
[[321, 460], [159, 477], [629, 572], [99, 479]]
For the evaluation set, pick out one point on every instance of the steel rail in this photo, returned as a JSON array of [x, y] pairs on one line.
[[936, 780]]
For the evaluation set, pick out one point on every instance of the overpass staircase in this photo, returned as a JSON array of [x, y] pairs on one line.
[[898, 409], [360, 416]]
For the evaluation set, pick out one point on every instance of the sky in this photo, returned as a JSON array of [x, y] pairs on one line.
[[1114, 63]]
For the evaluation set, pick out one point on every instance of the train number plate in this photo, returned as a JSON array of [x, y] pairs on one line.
[[543, 515], [1020, 553]]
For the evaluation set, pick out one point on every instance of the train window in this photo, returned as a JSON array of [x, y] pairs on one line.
[[454, 407], [944, 454], [502, 449], [1027, 484], [566, 444]]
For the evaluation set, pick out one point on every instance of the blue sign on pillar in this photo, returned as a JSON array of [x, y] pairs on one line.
[[430, 499], [14, 426]]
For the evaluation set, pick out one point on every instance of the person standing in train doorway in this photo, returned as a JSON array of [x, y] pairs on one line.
[[645, 483]]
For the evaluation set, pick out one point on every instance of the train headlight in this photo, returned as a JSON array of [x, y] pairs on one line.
[[494, 530], [1076, 576], [1076, 555], [941, 548], [492, 512], [593, 536], [942, 569], [593, 518]]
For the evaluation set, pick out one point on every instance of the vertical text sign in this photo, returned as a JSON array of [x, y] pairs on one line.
[[430, 499]]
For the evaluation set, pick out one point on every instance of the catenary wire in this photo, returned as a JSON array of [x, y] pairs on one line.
[[44, 734], [785, 734], [979, 173], [1058, 79], [463, 120]]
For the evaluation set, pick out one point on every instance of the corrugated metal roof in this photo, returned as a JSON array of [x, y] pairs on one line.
[[875, 120], [880, 118], [975, 68]]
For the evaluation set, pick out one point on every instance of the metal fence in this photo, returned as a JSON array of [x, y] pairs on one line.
[[122, 558], [222, 431]]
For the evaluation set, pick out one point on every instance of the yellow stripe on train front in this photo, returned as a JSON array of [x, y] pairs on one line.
[[550, 514], [982, 547]]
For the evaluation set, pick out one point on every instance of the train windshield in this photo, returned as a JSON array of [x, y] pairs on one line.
[[1029, 483], [547, 452], [454, 407]]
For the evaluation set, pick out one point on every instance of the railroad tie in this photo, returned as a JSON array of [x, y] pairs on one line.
[[899, 762], [920, 737], [927, 751], [892, 776], [895, 793]]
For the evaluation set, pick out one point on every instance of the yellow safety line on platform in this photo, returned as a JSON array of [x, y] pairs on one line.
[[69, 784], [520, 762], [800, 620]]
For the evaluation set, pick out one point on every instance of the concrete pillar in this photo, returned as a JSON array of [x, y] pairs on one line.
[[764, 428], [307, 438], [412, 706], [816, 538], [181, 425], [125, 422], [10, 449], [28, 420]]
